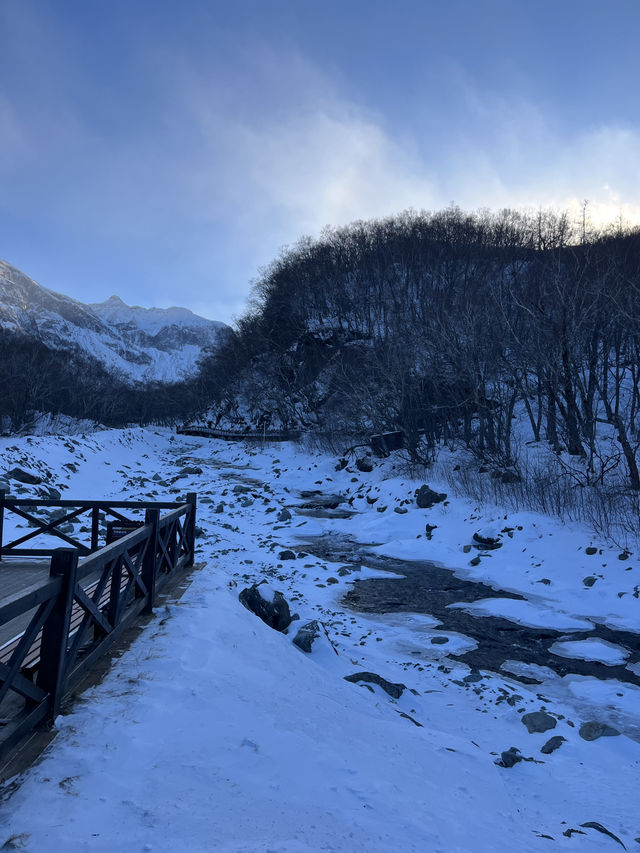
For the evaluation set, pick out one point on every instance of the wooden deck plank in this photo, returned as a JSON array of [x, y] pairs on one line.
[[16, 575]]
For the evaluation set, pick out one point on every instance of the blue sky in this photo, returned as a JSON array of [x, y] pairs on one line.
[[165, 151]]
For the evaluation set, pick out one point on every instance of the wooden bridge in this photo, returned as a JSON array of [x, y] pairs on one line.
[[61, 608], [239, 435]]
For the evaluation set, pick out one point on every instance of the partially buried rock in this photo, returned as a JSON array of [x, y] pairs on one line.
[[307, 633], [552, 744], [487, 538], [23, 477], [510, 757], [364, 464], [284, 515], [270, 605], [538, 721], [426, 497], [395, 690], [593, 730], [287, 555]]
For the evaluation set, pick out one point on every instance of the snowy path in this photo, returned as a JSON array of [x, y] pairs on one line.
[[214, 732]]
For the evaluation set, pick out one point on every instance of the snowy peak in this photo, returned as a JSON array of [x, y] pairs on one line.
[[148, 320], [139, 344]]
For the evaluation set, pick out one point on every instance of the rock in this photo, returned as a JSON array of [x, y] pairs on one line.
[[589, 581], [426, 497], [287, 555], [342, 463], [488, 538], [590, 551], [23, 477], [220, 508], [157, 477], [473, 677], [539, 721], [429, 530], [395, 690], [364, 464], [188, 470], [270, 606], [284, 515], [439, 641], [509, 757], [512, 756], [401, 510], [594, 730], [552, 744], [245, 503], [307, 633]]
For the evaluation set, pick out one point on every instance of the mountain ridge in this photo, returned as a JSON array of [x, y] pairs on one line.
[[139, 345]]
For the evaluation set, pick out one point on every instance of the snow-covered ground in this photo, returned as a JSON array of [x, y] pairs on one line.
[[215, 732]]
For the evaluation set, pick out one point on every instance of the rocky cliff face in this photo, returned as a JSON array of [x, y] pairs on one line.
[[137, 344]]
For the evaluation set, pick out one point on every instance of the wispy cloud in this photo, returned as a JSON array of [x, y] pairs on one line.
[[230, 161]]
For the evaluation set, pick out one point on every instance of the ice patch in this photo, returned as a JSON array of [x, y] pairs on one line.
[[524, 613], [591, 649]]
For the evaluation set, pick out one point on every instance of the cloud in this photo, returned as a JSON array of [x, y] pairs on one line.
[[230, 158]]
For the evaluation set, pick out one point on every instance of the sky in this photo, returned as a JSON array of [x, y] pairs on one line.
[[167, 150]]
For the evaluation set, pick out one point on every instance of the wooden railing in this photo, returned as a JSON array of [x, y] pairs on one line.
[[84, 606], [96, 512]]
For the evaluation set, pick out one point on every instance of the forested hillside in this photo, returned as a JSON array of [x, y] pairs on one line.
[[38, 379], [450, 326]]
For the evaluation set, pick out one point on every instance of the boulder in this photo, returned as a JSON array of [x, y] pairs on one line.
[[364, 464], [426, 497], [270, 605], [23, 477], [287, 555], [307, 633], [511, 756], [552, 744], [488, 538], [284, 515], [593, 730], [189, 470], [538, 721]]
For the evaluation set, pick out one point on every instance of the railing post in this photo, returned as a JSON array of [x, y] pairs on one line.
[[115, 594], [149, 569], [3, 494], [55, 631], [95, 527], [192, 498]]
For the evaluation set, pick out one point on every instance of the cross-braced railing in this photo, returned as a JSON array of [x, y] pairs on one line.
[[71, 619]]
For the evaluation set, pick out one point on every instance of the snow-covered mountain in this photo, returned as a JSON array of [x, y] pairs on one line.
[[139, 344]]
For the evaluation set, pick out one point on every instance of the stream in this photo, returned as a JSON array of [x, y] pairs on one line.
[[428, 588]]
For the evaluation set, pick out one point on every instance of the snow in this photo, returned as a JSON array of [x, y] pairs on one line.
[[529, 613], [149, 320], [591, 649], [213, 731]]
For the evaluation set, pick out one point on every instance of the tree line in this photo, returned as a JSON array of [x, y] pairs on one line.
[[450, 326], [35, 378]]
